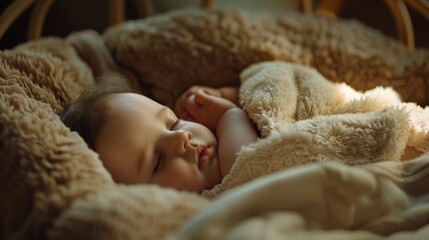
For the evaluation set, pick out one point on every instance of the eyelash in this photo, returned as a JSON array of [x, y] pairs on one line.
[[175, 124], [158, 163]]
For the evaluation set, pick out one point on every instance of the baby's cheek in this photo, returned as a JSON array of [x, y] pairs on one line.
[[179, 174]]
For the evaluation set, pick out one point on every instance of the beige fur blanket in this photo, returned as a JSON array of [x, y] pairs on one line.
[[52, 186], [386, 200], [305, 119]]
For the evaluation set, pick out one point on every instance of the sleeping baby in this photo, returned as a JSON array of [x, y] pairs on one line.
[[142, 141]]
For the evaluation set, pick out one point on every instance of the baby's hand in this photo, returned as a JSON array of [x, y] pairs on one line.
[[179, 108], [205, 109]]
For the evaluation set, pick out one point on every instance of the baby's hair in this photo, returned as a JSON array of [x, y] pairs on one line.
[[85, 115]]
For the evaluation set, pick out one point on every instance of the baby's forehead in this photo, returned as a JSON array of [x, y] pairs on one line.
[[116, 106], [124, 101], [131, 104]]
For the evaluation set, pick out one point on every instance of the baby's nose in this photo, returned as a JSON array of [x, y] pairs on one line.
[[181, 139]]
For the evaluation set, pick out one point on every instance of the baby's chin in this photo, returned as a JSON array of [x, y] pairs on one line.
[[211, 169]]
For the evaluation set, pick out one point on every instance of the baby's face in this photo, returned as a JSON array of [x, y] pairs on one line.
[[142, 141]]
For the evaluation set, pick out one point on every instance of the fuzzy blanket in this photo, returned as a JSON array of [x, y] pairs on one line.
[[171, 52], [386, 200], [305, 119], [52, 186]]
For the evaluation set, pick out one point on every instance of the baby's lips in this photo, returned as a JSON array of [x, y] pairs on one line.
[[204, 155]]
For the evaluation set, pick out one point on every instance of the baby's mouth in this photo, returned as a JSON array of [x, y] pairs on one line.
[[204, 155]]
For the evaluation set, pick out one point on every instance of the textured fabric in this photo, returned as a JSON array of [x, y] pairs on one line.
[[275, 94], [91, 49], [127, 212], [44, 167], [49, 71], [306, 119], [174, 51], [385, 200]]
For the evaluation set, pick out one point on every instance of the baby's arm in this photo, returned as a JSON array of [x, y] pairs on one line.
[[230, 93], [234, 130], [230, 123]]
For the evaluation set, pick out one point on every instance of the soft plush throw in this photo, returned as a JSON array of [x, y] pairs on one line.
[[52, 186], [305, 118], [385, 200]]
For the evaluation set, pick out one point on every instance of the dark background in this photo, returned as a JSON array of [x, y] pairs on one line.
[[66, 16]]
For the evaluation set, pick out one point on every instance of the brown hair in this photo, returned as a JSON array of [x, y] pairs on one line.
[[85, 116]]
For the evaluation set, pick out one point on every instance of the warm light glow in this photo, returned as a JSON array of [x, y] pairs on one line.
[[347, 92]]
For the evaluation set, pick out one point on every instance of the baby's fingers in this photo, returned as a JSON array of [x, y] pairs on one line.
[[179, 107], [186, 116], [202, 98], [191, 107]]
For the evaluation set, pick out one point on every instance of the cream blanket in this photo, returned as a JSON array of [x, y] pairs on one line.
[[386, 200], [307, 119]]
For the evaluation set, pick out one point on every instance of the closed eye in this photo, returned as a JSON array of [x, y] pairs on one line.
[[176, 124], [158, 164]]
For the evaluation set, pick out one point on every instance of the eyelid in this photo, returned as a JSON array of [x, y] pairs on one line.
[[158, 163], [175, 124], [159, 159]]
